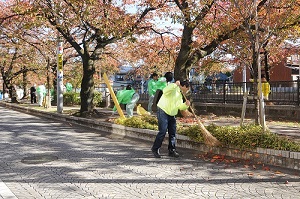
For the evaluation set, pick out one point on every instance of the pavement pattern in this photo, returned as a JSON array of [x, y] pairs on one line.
[[40, 158]]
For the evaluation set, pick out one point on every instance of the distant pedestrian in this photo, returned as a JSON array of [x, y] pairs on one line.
[[266, 90], [69, 87], [170, 102], [152, 90], [6, 95], [41, 93], [33, 94]]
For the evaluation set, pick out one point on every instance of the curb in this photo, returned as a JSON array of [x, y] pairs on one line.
[[280, 158]]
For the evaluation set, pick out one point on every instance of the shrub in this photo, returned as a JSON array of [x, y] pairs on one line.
[[192, 132], [251, 136], [97, 98], [71, 98], [142, 122], [245, 137]]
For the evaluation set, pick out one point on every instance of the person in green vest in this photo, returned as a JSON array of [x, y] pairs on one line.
[[41, 93], [129, 97], [161, 83], [152, 90], [69, 87]]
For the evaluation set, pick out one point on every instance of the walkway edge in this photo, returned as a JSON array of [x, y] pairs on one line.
[[280, 158], [5, 192]]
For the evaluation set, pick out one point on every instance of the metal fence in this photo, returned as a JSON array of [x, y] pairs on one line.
[[282, 92]]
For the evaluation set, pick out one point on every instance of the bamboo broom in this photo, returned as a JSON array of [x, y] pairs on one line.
[[209, 139]]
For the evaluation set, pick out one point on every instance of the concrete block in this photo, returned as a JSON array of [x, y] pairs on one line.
[[262, 150], [293, 155], [297, 155]]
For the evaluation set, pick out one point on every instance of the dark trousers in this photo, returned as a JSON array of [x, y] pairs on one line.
[[33, 98], [165, 123]]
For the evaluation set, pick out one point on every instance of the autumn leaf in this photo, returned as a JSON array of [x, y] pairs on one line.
[[217, 157], [266, 168]]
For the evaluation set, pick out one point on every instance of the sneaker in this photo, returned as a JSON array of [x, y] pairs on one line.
[[156, 153], [173, 154]]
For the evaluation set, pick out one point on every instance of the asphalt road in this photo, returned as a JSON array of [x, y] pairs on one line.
[[40, 158]]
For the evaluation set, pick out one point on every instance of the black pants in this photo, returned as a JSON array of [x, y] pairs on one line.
[[33, 98]]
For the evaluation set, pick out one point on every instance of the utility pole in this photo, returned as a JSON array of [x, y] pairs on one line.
[[59, 69]]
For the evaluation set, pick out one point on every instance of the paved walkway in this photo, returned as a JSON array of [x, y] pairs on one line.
[[40, 158]]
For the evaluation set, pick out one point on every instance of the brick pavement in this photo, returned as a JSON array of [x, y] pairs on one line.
[[92, 164]]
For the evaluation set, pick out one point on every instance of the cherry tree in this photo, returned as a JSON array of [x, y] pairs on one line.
[[17, 55], [266, 25], [89, 27]]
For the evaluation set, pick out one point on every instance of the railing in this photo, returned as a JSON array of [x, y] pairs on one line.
[[221, 92], [282, 92]]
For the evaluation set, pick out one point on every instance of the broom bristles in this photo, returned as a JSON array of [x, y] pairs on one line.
[[209, 139]]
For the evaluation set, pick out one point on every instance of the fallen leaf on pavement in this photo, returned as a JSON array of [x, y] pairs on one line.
[[266, 168]]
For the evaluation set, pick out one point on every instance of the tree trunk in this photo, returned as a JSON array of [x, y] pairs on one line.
[[181, 67], [255, 85], [267, 69], [25, 90], [54, 83], [13, 94], [87, 87]]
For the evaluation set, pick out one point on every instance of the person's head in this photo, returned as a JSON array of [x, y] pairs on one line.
[[263, 78], [128, 87], [184, 85], [169, 76], [154, 76]]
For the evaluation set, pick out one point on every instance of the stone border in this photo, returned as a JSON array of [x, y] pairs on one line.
[[285, 159]]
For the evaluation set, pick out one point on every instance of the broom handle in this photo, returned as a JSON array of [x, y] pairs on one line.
[[190, 105], [193, 112]]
